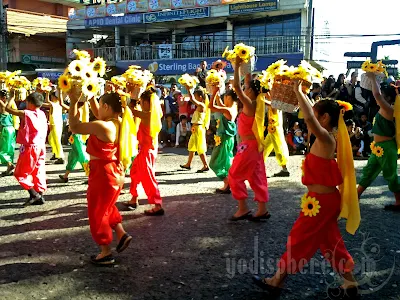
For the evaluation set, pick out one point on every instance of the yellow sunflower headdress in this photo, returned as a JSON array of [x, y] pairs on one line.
[[350, 208]]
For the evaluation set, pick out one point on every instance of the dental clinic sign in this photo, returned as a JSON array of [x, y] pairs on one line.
[[114, 21]]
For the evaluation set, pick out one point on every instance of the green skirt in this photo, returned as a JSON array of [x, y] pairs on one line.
[[7, 144], [222, 156]]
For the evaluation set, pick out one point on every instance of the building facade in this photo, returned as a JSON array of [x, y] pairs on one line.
[[172, 37]]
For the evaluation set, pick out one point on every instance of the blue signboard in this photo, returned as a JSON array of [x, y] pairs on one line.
[[181, 66], [252, 7], [177, 14], [52, 75], [114, 21]]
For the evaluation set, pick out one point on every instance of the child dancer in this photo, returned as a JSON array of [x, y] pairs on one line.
[[275, 140], [200, 123], [56, 128], [106, 176], [384, 147], [30, 169], [143, 167], [7, 137], [248, 163], [222, 155], [78, 148], [317, 228]]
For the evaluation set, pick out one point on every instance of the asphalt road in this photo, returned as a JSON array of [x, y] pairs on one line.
[[192, 252]]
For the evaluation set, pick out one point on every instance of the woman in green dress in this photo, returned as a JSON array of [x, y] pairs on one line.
[[222, 155]]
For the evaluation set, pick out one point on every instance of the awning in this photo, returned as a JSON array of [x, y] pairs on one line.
[[29, 23]]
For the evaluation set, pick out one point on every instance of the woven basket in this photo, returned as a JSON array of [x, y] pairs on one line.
[[247, 68], [283, 96], [366, 83]]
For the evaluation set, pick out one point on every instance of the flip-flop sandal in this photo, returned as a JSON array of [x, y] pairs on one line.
[[242, 217], [130, 206], [263, 217], [105, 261], [203, 170], [259, 281], [63, 179], [123, 243], [392, 207], [153, 212], [226, 191], [186, 168]]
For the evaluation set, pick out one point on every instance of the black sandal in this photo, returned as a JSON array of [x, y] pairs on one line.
[[392, 207], [184, 167], [123, 243], [273, 290], [203, 170], [104, 261], [263, 217], [130, 206], [226, 191], [242, 217], [153, 212], [63, 179]]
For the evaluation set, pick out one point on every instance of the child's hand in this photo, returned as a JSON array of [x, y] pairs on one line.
[[298, 86], [238, 61]]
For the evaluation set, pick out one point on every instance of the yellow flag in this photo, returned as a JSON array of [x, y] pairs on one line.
[[258, 124]]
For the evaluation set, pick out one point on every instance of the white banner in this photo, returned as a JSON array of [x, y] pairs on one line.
[[165, 51]]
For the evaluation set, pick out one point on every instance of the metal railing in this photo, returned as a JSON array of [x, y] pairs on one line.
[[264, 46]]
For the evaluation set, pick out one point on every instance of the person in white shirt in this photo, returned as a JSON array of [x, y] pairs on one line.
[[182, 132]]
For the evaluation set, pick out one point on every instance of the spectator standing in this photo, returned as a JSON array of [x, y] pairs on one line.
[[316, 90], [201, 73], [341, 90], [356, 135], [328, 89], [183, 106]]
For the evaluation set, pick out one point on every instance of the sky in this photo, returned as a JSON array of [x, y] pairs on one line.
[[355, 17]]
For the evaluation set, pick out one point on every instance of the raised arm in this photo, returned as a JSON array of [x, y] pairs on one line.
[[217, 108], [94, 106], [312, 123], [61, 101], [246, 101], [193, 99], [386, 109], [8, 107]]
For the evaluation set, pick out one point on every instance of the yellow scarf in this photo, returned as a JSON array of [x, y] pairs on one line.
[[16, 120], [85, 118], [155, 118], [126, 134], [208, 113], [258, 124], [350, 208]]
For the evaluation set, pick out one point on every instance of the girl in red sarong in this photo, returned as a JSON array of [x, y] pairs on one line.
[[248, 164], [143, 167], [317, 228], [106, 176]]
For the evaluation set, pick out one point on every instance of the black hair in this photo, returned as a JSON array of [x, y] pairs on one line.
[[113, 100], [147, 94], [53, 94], [349, 122], [182, 117], [3, 93], [255, 85], [316, 85], [330, 107], [232, 94], [200, 92], [389, 92], [36, 99]]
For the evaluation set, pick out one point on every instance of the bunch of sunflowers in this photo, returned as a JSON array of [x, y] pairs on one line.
[[379, 67], [83, 73], [137, 76], [241, 50], [43, 82], [279, 71], [215, 77], [18, 83], [188, 80], [119, 82], [4, 76]]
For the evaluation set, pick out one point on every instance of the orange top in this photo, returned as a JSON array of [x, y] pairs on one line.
[[144, 137], [245, 125], [102, 150], [321, 171]]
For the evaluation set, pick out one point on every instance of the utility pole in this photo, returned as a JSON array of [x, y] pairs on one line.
[[3, 38]]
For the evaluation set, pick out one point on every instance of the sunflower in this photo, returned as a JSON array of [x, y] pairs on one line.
[[372, 146], [90, 88], [218, 122], [310, 206], [35, 82], [303, 167], [276, 67], [45, 82], [244, 52], [346, 105], [64, 83], [82, 55], [88, 74], [309, 68], [217, 140], [365, 65], [378, 151], [75, 68], [99, 66], [298, 73], [372, 68], [271, 129], [71, 139], [86, 167]]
